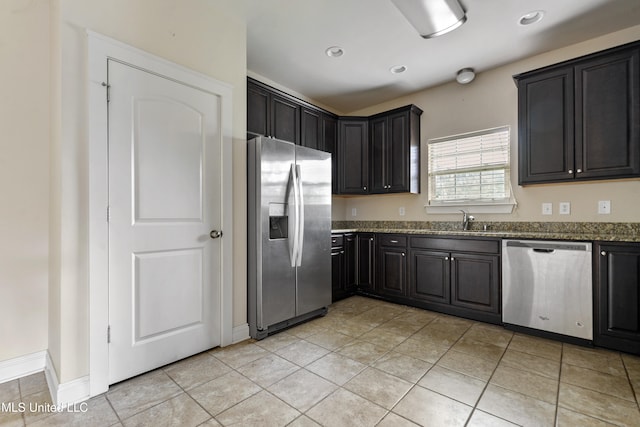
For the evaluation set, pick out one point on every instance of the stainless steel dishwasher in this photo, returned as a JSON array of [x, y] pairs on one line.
[[548, 286]]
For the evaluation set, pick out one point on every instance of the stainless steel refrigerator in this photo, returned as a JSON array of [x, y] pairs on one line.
[[289, 234]]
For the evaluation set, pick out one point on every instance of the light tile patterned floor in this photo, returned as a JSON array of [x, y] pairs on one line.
[[367, 363]]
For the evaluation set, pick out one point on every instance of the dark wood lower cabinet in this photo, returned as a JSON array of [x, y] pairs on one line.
[[343, 265], [429, 276], [617, 275], [392, 264], [456, 276], [365, 260], [475, 282]]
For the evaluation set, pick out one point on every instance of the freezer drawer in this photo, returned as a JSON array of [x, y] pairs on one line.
[[548, 286]]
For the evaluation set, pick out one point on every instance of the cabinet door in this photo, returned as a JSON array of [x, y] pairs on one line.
[[330, 141], [393, 271], [545, 127], [475, 282], [337, 273], [617, 297], [257, 110], [350, 262], [366, 261], [397, 179], [608, 116], [378, 154], [354, 157], [311, 128], [429, 276], [285, 119]]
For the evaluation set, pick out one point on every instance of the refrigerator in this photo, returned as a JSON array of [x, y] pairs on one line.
[[289, 234]]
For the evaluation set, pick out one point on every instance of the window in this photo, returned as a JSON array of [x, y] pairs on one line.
[[471, 169]]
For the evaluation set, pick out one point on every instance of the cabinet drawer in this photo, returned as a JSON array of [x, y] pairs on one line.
[[491, 246], [337, 240], [393, 240]]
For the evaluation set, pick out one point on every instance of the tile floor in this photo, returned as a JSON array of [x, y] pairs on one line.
[[367, 363]]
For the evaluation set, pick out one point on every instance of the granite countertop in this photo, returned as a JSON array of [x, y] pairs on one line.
[[618, 232]]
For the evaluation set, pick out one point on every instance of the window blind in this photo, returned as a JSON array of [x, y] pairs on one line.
[[470, 167]]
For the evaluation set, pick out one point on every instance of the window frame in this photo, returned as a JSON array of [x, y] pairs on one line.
[[483, 205]]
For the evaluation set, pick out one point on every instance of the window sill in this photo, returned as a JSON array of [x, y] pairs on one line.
[[472, 208]]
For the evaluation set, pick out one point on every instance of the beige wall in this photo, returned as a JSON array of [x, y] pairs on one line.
[[490, 101], [204, 35], [24, 171]]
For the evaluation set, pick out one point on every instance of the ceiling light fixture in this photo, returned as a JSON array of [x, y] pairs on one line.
[[398, 69], [466, 75], [531, 17], [334, 51], [432, 18]]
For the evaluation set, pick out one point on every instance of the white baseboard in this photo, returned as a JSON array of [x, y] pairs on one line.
[[68, 393], [22, 366], [240, 333]]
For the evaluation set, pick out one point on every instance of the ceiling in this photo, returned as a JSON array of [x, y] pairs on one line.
[[287, 39]]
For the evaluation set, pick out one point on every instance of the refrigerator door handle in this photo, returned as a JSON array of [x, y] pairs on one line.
[[300, 217], [294, 214]]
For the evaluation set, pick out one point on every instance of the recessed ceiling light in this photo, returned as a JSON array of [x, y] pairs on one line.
[[466, 75], [398, 69], [334, 51], [531, 17]]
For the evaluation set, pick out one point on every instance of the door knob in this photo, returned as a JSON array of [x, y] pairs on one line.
[[215, 234]]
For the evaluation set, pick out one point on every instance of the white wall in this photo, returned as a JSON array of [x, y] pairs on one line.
[[205, 35], [491, 101], [24, 173]]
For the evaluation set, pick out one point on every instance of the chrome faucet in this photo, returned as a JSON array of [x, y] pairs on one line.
[[466, 219]]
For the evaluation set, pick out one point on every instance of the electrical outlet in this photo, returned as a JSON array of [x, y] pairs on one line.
[[401, 211], [354, 212], [604, 207], [547, 208], [564, 208]]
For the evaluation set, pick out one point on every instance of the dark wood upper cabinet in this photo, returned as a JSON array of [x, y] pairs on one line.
[[383, 150], [311, 128], [330, 140], [545, 140], [395, 151], [285, 119], [608, 116], [580, 120], [353, 155], [276, 114], [258, 107]]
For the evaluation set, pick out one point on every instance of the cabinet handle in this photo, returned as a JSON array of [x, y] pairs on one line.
[[579, 171], [570, 170], [446, 258], [603, 253], [402, 253], [452, 258], [394, 241], [341, 252], [364, 188], [371, 239]]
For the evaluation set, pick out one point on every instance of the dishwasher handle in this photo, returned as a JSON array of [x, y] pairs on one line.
[[544, 251]]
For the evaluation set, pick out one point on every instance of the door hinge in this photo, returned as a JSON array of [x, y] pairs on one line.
[[109, 334], [108, 86], [108, 213]]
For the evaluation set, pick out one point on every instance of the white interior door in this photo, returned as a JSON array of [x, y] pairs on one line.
[[164, 201]]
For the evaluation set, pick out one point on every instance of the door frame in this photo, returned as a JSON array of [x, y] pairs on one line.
[[101, 49]]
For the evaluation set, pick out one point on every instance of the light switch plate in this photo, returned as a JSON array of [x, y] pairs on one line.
[[604, 207], [547, 208], [354, 211], [401, 211], [564, 208]]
